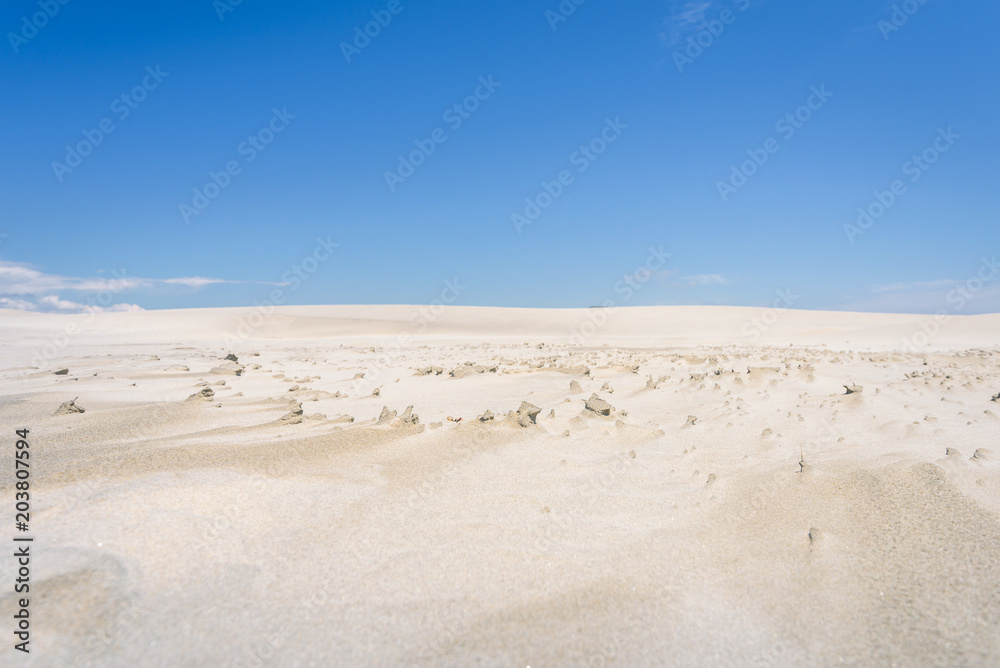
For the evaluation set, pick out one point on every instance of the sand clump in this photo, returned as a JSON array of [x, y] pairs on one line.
[[598, 406], [69, 407], [525, 415], [206, 393]]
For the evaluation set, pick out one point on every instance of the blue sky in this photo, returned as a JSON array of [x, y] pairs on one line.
[[643, 109]]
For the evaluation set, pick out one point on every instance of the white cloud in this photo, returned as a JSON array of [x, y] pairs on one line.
[[705, 279], [199, 282], [915, 285], [684, 17], [21, 279], [951, 296], [25, 288], [55, 304], [17, 304]]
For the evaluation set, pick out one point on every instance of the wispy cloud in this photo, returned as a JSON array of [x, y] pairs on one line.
[[915, 285], [22, 279], [200, 282], [25, 288], [17, 304], [705, 279], [673, 278], [55, 304], [684, 17], [948, 295]]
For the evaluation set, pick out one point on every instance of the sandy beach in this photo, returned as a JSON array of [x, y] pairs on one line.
[[398, 485]]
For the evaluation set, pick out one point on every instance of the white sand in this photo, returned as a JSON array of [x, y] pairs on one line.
[[232, 531]]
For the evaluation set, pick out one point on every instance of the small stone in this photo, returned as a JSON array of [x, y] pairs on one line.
[[69, 407]]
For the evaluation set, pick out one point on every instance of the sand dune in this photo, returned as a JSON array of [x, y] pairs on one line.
[[398, 485]]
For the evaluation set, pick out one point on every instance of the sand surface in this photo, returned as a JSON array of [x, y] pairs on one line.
[[736, 506]]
